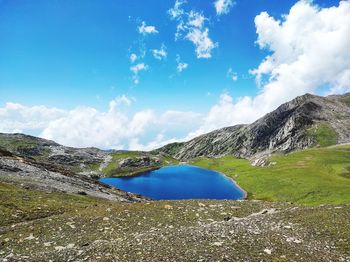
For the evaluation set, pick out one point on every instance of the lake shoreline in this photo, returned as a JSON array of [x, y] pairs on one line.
[[245, 197], [245, 194], [136, 173]]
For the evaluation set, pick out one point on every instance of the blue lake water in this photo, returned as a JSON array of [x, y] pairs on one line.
[[179, 182]]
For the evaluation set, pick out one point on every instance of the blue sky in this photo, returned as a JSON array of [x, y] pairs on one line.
[[69, 54]]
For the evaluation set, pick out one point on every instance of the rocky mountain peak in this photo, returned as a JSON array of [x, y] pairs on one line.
[[303, 122]]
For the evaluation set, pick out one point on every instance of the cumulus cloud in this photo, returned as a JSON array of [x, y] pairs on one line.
[[201, 40], [17, 118], [191, 26], [196, 19], [309, 50], [177, 11], [86, 126], [160, 53], [147, 29], [174, 127], [180, 65], [223, 6], [159, 141], [136, 69], [227, 113]]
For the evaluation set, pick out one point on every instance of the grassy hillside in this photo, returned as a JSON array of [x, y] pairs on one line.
[[323, 134], [314, 176]]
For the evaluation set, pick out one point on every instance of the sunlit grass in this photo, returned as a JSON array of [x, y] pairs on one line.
[[314, 176]]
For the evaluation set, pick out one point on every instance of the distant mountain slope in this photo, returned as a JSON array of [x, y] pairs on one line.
[[90, 162], [43, 149], [304, 122]]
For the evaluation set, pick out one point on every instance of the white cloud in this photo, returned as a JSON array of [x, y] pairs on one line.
[[139, 67], [179, 120], [160, 53], [191, 26], [16, 117], [167, 123], [227, 113], [310, 49], [147, 29], [133, 58], [177, 11], [136, 69], [86, 126], [158, 142], [180, 65], [232, 75], [201, 40], [196, 19], [223, 6]]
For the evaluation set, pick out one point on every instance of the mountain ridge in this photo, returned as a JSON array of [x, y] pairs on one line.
[[303, 122]]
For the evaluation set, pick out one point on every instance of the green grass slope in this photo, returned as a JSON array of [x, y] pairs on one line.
[[323, 134], [313, 176]]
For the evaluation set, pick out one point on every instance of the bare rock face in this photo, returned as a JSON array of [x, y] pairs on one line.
[[49, 177], [139, 162], [286, 129], [49, 151], [44, 165]]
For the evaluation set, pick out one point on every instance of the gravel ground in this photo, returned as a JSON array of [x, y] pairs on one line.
[[183, 231]]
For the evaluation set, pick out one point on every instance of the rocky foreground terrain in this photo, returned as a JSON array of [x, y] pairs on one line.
[[304, 122], [198, 230]]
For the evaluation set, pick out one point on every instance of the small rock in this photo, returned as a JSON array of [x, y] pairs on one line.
[[31, 237], [217, 244], [268, 251], [59, 248], [69, 246], [71, 225], [168, 207], [2, 230]]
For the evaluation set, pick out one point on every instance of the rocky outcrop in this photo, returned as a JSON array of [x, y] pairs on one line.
[[77, 159], [48, 177], [139, 162], [284, 130]]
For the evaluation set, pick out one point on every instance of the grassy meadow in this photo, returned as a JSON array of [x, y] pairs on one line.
[[314, 176]]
